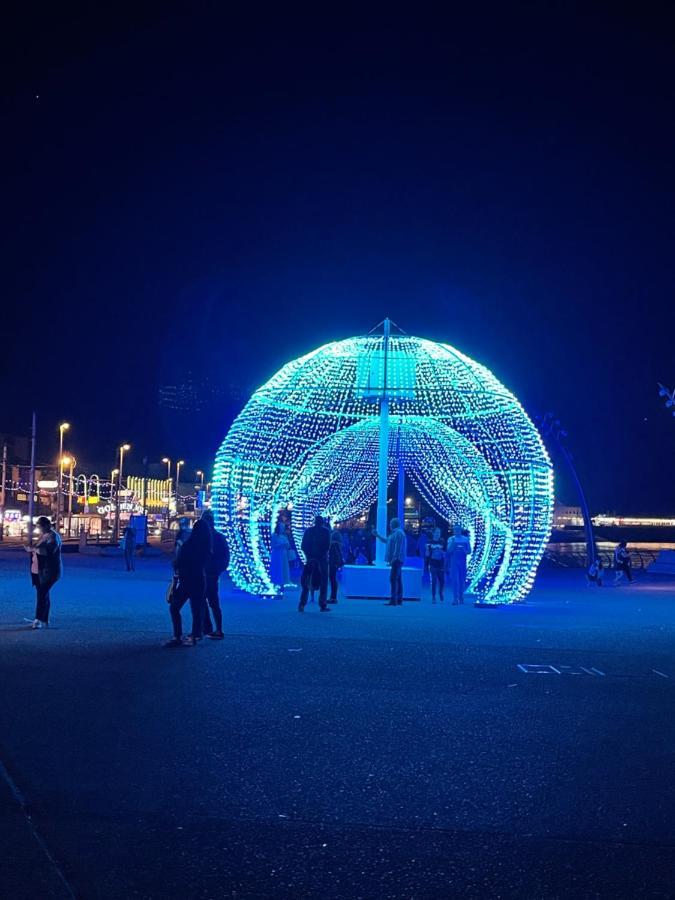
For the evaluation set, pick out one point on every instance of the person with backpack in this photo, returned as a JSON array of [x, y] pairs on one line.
[[315, 544], [435, 562], [216, 565], [335, 563]]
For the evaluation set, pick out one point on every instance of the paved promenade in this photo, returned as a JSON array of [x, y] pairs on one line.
[[421, 752]]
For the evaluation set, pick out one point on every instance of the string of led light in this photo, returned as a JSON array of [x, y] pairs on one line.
[[310, 437]]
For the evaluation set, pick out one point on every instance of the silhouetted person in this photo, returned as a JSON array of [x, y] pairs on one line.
[[45, 569], [435, 558], [315, 543], [216, 565], [335, 563], [130, 547], [190, 567], [395, 557], [182, 535], [280, 549], [622, 563], [459, 548], [594, 574]]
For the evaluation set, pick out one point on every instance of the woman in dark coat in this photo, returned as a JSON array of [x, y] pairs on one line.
[[45, 569], [190, 568]]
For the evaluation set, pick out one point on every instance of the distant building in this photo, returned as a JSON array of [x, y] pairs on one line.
[[633, 521], [567, 516]]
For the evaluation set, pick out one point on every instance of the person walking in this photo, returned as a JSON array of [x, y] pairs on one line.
[[315, 544], [217, 563], [435, 559], [129, 539], [335, 563], [280, 569], [45, 569], [395, 557], [622, 564], [459, 547], [190, 568]]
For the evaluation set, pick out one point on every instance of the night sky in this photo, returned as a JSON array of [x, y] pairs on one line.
[[197, 190]]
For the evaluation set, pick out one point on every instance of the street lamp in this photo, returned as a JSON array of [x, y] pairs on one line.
[[165, 459], [123, 449], [64, 426], [181, 462], [200, 475], [69, 461]]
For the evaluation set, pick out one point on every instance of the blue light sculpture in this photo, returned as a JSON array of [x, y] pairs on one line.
[[308, 439]]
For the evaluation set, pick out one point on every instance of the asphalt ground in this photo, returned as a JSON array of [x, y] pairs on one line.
[[372, 752]]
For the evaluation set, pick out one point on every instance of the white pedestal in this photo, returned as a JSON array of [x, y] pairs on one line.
[[372, 582]]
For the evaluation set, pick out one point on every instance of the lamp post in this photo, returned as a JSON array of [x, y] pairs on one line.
[[181, 462], [123, 449], [70, 462], [64, 426], [200, 475], [165, 459]]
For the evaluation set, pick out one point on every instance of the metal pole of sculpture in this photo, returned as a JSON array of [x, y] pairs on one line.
[[384, 453]]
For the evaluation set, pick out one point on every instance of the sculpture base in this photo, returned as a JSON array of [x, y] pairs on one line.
[[372, 582]]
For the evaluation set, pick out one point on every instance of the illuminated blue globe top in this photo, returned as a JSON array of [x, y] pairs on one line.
[[308, 440]]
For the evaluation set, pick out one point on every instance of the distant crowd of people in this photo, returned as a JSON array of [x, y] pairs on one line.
[[201, 556]]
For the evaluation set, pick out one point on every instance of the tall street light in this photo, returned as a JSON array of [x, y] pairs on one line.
[[69, 461], [123, 449], [200, 475], [165, 459], [64, 426], [181, 462]]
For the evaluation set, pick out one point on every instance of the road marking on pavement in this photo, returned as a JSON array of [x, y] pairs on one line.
[[662, 674], [547, 669]]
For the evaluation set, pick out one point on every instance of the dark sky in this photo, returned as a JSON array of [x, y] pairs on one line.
[[194, 189]]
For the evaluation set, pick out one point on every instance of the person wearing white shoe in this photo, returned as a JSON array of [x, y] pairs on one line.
[[45, 569]]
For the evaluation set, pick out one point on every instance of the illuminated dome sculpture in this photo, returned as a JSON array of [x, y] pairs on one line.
[[309, 439]]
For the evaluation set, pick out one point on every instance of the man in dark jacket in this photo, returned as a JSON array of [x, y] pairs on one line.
[[315, 543], [217, 564]]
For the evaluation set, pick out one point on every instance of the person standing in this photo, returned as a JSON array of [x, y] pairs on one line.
[[335, 563], [182, 535], [190, 567], [315, 544], [622, 564], [280, 569], [459, 547], [130, 547], [217, 563], [435, 559], [594, 574], [395, 557], [45, 569]]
